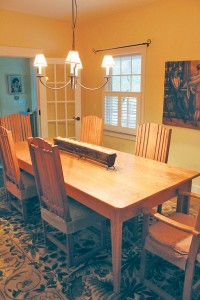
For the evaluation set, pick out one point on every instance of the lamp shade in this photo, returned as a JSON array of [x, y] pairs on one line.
[[79, 66], [40, 61], [73, 58], [108, 61]]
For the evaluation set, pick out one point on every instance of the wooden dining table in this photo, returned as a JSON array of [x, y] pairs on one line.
[[120, 193]]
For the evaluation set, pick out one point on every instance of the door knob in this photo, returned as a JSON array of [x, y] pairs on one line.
[[77, 118]]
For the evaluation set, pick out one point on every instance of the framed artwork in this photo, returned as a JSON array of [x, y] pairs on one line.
[[15, 84], [182, 94]]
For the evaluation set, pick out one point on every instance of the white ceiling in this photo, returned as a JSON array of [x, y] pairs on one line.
[[61, 9]]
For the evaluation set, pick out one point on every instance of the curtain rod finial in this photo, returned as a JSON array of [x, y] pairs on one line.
[[148, 42], [95, 51]]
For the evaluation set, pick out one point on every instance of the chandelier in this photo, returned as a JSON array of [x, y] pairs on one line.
[[73, 60]]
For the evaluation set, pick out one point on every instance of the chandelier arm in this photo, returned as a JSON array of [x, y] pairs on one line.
[[93, 89], [58, 88]]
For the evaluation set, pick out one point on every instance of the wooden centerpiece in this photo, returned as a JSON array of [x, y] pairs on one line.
[[100, 154]]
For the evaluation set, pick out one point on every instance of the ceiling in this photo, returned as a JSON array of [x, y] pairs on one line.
[[61, 9]]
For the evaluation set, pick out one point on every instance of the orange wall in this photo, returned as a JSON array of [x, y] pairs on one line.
[[174, 30], [175, 33], [21, 30]]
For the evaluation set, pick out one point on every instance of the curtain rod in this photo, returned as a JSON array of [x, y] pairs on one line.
[[148, 42]]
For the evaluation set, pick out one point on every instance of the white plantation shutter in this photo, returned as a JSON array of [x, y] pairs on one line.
[[122, 99], [111, 110], [128, 112], [120, 113]]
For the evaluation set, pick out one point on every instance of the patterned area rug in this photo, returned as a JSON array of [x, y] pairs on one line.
[[29, 271]]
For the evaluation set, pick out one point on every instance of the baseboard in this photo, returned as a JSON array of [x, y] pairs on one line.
[[196, 189]]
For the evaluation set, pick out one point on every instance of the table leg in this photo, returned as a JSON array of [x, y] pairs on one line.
[[116, 239]]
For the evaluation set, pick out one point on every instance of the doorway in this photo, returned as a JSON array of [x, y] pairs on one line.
[[53, 117]]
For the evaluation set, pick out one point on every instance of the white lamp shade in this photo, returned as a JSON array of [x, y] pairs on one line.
[[108, 61], [73, 58], [79, 66], [40, 61]]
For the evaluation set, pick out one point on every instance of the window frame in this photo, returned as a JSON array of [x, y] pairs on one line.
[[118, 131]]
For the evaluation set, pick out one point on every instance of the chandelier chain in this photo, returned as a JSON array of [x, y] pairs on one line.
[[74, 19]]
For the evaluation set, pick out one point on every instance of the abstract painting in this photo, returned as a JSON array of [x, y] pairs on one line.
[[182, 94]]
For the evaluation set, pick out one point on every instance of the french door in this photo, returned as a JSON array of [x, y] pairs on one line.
[[59, 110]]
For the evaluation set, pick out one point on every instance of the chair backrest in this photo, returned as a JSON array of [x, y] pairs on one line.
[[9, 158], [19, 125], [49, 176], [153, 141], [92, 130]]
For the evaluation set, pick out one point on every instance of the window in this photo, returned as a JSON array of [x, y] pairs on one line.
[[122, 101]]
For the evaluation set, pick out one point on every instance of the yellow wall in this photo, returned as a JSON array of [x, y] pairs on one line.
[[21, 30], [174, 30], [175, 33]]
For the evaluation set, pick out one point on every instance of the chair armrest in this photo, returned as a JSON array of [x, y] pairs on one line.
[[189, 194], [170, 222], [177, 225]]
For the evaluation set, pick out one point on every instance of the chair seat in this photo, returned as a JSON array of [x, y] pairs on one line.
[[81, 217], [174, 246], [29, 187]]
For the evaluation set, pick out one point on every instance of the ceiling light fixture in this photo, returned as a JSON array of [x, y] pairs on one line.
[[74, 61]]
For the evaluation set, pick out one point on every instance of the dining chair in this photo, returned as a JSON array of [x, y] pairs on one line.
[[20, 186], [153, 142], [63, 213], [175, 239], [19, 125], [91, 130]]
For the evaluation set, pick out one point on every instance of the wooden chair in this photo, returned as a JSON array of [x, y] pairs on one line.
[[92, 130], [175, 239], [19, 125], [20, 186], [57, 209], [153, 142]]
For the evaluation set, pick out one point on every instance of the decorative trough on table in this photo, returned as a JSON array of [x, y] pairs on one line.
[[100, 154]]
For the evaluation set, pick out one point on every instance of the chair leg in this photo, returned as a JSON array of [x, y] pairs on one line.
[[143, 252], [70, 249], [44, 231], [142, 265], [24, 211], [135, 227], [189, 274], [134, 224], [9, 197], [159, 209]]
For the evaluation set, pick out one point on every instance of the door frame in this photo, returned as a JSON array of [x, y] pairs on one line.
[[9, 51]]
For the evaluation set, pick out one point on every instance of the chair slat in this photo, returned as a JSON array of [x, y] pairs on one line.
[[19, 125], [92, 130], [153, 141]]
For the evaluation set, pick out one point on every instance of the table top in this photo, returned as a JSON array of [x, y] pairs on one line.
[[134, 183]]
